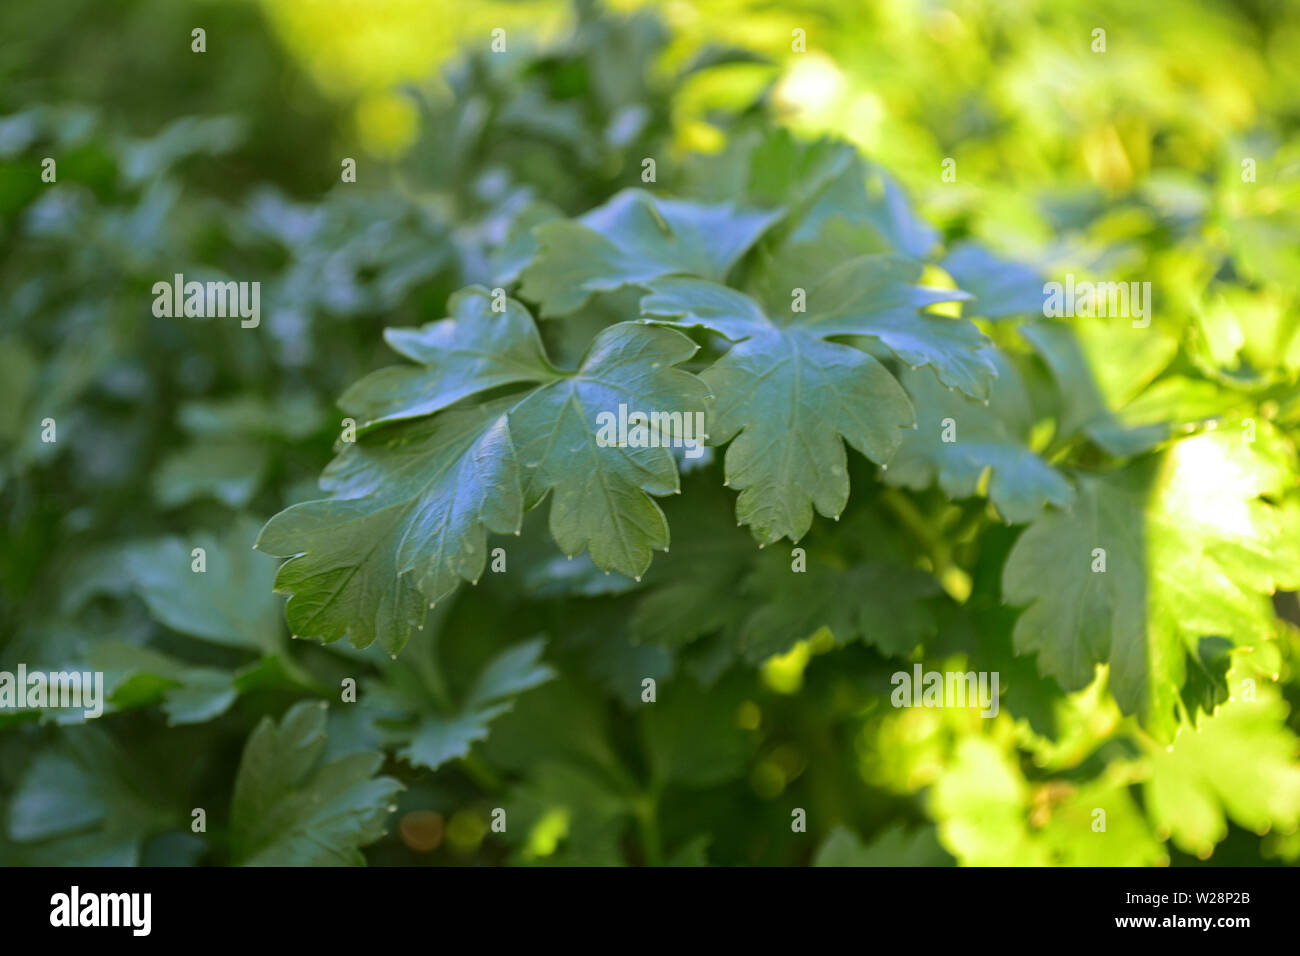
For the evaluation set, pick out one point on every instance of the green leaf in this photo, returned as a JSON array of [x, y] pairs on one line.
[[473, 350], [602, 494], [1099, 368], [691, 734], [141, 676], [574, 799], [1193, 548], [431, 738], [562, 721], [694, 852], [415, 501], [568, 815], [790, 400], [987, 439], [896, 846], [137, 676], [228, 603], [368, 567], [876, 296], [695, 589], [633, 238], [19, 373], [1239, 763], [292, 415], [884, 604], [1000, 289], [835, 198], [229, 471], [599, 631], [290, 810], [79, 803], [865, 205]]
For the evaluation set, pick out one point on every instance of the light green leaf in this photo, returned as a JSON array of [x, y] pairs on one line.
[[1239, 763], [1193, 548], [1100, 366], [1076, 834], [981, 804], [990, 815]]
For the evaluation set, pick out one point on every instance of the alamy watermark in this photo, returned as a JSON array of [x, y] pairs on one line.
[[654, 430], [59, 690], [1098, 299], [208, 300], [946, 689], [75, 908]]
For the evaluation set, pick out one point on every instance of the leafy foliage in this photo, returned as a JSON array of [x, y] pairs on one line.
[[287, 811], [906, 464]]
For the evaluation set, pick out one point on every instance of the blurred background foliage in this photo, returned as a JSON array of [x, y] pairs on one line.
[[1126, 164]]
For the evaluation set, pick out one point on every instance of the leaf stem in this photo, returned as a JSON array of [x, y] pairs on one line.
[[907, 512], [487, 779], [647, 817]]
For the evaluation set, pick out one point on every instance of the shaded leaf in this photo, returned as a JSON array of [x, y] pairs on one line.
[[289, 809]]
